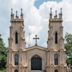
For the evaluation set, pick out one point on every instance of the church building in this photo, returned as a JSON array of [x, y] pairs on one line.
[[36, 58]]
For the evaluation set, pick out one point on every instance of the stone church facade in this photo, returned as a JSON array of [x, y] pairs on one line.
[[36, 58]]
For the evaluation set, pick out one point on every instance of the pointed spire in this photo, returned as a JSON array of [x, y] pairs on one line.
[[11, 11], [55, 14], [12, 15], [21, 13], [60, 10], [60, 14], [50, 13], [16, 14], [50, 10]]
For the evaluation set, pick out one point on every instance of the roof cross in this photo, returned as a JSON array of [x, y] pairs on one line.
[[36, 38]]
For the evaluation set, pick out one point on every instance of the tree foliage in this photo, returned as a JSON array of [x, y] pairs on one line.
[[3, 54], [68, 46]]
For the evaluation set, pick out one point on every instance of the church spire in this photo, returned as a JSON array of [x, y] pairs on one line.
[[60, 14], [55, 14], [17, 27], [50, 13], [55, 36], [16, 14], [12, 15], [21, 13]]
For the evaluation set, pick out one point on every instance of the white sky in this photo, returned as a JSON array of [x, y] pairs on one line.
[[36, 20]]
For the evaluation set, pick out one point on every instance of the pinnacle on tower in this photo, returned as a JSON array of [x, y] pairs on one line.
[[21, 13], [50, 13], [16, 14], [12, 15], [60, 14], [55, 14]]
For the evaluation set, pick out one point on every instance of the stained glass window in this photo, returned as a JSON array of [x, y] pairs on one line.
[[56, 38], [56, 59], [16, 59], [16, 38]]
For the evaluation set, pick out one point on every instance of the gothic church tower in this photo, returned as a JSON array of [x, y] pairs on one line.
[[16, 43], [56, 52]]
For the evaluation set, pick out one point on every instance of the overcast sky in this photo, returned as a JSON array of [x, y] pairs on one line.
[[36, 16]]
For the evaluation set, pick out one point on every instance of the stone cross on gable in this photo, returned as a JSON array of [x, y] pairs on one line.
[[36, 38]]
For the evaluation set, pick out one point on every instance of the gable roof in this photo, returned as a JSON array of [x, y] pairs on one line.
[[36, 47]]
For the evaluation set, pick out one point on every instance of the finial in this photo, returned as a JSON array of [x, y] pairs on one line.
[[50, 10], [50, 13], [21, 13], [60, 10], [11, 11], [55, 14], [60, 14], [16, 14]]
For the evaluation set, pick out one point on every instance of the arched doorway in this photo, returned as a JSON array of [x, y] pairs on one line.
[[16, 70], [36, 63], [56, 70]]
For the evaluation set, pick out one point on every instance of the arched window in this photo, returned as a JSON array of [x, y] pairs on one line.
[[56, 59], [16, 59], [56, 70], [56, 37], [16, 38], [16, 70], [36, 63]]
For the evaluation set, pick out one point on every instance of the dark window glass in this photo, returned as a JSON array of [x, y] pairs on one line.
[[16, 59], [36, 63], [56, 70], [16, 38], [56, 59], [16, 70], [56, 37]]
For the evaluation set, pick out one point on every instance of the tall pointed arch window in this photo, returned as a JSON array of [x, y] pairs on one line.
[[16, 59], [36, 63], [56, 70], [16, 37], [16, 70], [56, 59], [56, 37]]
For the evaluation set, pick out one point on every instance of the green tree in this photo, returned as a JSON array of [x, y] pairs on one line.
[[3, 54], [68, 46]]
